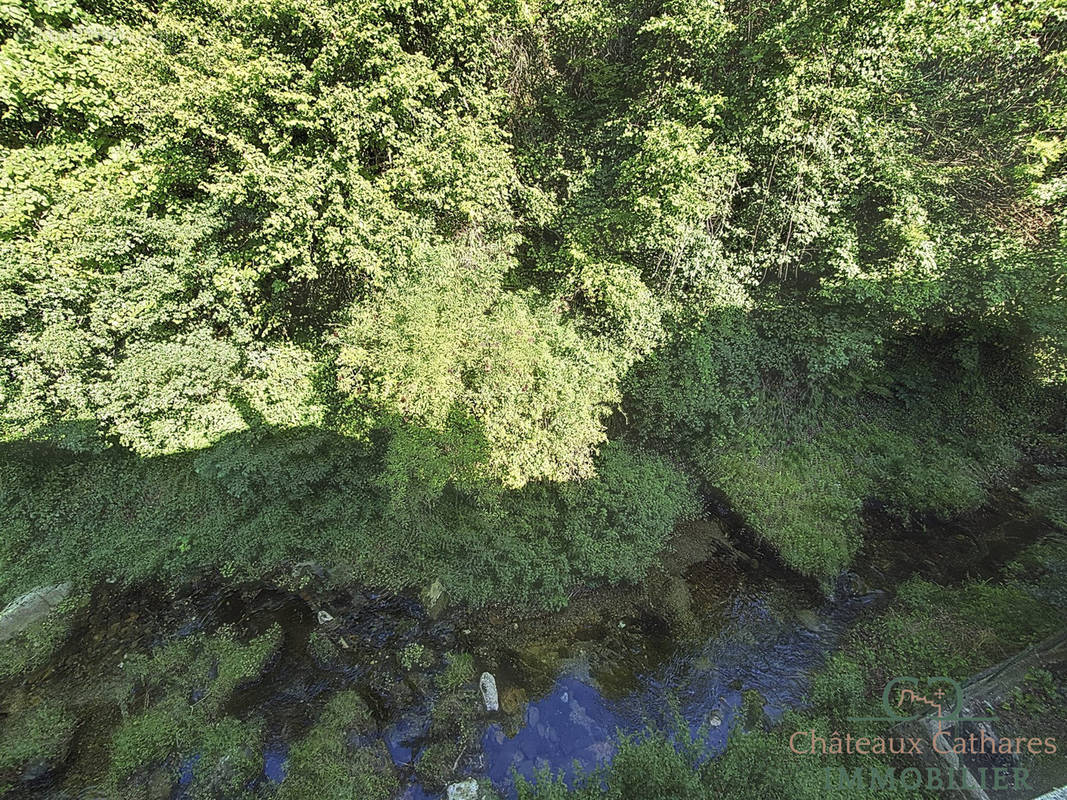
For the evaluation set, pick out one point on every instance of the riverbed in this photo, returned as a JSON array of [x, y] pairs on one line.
[[615, 662]]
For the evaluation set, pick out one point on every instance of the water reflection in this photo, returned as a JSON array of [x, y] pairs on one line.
[[760, 648]]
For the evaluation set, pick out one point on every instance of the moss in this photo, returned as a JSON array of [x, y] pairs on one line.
[[372, 772], [453, 730], [455, 714], [34, 646], [229, 759], [321, 648], [459, 670], [152, 737], [437, 762], [40, 735], [184, 686], [326, 765], [238, 664], [209, 668], [346, 711], [415, 656]]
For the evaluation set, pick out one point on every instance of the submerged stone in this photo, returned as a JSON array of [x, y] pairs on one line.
[[809, 619], [678, 605], [471, 789], [513, 700]]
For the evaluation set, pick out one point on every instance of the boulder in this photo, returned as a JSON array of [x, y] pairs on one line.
[[694, 542], [677, 605], [851, 584], [489, 694], [434, 600], [31, 608], [158, 785], [513, 700]]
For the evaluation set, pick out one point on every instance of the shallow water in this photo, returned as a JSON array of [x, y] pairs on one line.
[[569, 682], [615, 676], [699, 687]]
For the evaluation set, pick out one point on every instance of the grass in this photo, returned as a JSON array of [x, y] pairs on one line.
[[39, 735], [182, 689], [324, 765]]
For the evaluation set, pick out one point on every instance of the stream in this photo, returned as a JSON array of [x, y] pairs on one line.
[[569, 682]]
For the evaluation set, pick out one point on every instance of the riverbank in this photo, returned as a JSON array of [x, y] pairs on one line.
[[110, 692]]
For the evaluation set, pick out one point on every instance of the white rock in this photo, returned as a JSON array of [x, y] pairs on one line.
[[325, 617], [32, 607], [489, 695], [465, 790]]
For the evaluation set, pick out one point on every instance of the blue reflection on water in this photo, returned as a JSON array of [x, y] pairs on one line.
[[274, 762], [703, 684]]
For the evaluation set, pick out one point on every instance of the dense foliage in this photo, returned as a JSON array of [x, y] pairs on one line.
[[374, 280]]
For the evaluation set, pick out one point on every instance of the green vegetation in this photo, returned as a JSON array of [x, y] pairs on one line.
[[321, 648], [326, 764], [1051, 494], [301, 494], [31, 648], [1037, 697], [954, 631], [454, 730], [488, 295], [36, 737], [180, 692], [458, 671], [228, 760], [415, 656], [421, 289], [928, 630]]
